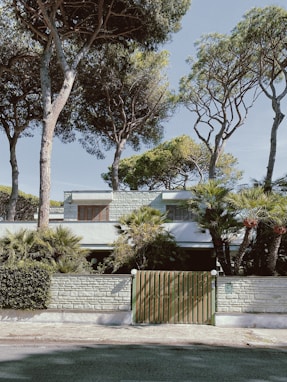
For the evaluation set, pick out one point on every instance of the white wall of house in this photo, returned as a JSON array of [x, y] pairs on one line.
[[101, 234], [119, 202]]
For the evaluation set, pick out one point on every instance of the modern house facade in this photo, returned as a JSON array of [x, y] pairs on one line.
[[104, 209], [92, 215]]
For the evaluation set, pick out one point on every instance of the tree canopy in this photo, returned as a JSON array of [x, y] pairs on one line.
[[174, 164], [68, 30], [121, 98], [20, 106], [216, 91], [263, 31]]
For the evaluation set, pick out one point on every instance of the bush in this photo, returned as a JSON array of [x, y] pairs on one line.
[[57, 249], [24, 287], [26, 206]]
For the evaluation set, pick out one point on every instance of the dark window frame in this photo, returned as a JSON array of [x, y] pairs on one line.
[[93, 213], [177, 212]]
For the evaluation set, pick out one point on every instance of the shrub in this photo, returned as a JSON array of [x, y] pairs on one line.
[[25, 287], [58, 249], [143, 243]]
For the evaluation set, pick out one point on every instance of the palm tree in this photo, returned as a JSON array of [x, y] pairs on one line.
[[251, 204], [210, 205], [277, 220], [58, 249], [143, 243]]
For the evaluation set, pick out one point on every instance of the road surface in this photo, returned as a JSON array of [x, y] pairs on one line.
[[141, 363]]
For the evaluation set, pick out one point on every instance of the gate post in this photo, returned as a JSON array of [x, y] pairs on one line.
[[213, 295], [134, 295]]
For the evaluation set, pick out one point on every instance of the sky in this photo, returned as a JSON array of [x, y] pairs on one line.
[[74, 169]]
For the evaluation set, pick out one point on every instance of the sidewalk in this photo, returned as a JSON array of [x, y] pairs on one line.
[[66, 333]]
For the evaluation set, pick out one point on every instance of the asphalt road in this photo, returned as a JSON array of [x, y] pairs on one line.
[[139, 363]]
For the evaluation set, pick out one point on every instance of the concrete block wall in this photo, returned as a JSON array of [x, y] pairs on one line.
[[91, 292], [252, 295]]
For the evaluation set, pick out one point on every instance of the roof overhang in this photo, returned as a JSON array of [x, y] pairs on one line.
[[90, 197], [176, 195]]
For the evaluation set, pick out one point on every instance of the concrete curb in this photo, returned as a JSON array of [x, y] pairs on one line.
[[67, 316], [251, 320]]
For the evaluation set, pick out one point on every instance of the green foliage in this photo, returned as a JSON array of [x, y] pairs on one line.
[[174, 164], [25, 287], [210, 205], [219, 91], [147, 22], [120, 95], [143, 244], [120, 99], [225, 214], [252, 203], [211, 209], [263, 32], [59, 250], [26, 207]]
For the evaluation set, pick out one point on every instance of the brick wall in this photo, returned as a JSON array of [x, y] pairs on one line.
[[91, 292], [252, 295]]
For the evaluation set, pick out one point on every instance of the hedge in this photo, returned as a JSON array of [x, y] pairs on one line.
[[24, 288]]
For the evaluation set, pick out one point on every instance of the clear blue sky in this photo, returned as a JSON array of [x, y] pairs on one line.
[[74, 169]]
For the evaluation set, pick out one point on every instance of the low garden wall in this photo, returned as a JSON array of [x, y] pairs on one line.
[[90, 292], [106, 299], [251, 302], [252, 294]]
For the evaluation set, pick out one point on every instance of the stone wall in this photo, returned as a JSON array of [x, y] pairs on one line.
[[113, 293], [91, 292], [251, 295]]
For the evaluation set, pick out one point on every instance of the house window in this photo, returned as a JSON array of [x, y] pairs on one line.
[[93, 213], [178, 212]]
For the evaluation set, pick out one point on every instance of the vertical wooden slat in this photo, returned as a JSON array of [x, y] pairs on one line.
[[187, 298], [156, 282], [166, 297], [173, 297]]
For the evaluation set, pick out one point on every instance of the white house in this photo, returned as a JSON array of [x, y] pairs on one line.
[[92, 215]]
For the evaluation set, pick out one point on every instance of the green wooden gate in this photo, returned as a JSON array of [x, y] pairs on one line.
[[173, 297]]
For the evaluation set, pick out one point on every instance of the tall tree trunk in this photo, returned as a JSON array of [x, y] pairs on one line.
[[52, 110], [221, 248], [241, 252], [279, 116], [271, 260], [45, 173], [212, 166], [219, 145], [11, 213], [115, 166]]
